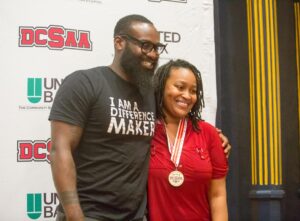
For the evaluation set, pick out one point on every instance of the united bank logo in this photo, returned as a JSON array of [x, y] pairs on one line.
[[42, 89], [40, 93], [33, 150], [170, 38], [34, 90], [55, 37], [34, 205], [178, 1], [42, 205]]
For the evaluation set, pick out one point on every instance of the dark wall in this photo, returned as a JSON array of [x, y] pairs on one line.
[[233, 115], [233, 96], [289, 109]]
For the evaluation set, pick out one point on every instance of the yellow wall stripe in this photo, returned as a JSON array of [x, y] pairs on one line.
[[270, 103], [258, 91], [273, 89], [278, 139], [264, 92], [252, 90], [253, 97], [297, 31], [249, 23]]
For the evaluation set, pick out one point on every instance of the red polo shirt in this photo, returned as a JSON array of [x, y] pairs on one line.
[[202, 159]]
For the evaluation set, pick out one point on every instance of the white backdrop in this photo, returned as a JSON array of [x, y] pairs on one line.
[[41, 42]]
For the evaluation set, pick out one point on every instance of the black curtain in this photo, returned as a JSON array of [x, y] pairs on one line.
[[233, 113]]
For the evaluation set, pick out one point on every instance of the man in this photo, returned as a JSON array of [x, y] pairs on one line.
[[102, 121]]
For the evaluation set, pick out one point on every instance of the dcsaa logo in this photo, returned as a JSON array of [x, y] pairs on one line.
[[54, 37], [37, 150]]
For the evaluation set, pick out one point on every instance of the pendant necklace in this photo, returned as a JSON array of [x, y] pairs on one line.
[[176, 178]]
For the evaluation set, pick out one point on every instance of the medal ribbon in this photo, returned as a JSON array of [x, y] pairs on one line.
[[178, 144]]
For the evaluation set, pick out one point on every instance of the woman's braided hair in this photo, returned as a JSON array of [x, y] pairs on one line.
[[159, 82]]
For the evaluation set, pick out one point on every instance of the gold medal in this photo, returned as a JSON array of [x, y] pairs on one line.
[[176, 178]]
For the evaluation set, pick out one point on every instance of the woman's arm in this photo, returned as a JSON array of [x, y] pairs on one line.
[[218, 200]]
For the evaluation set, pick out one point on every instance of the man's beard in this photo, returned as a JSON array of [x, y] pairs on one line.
[[138, 75]]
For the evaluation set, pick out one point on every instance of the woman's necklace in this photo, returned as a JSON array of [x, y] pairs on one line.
[[176, 178]]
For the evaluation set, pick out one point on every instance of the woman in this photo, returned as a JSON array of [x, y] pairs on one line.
[[187, 175]]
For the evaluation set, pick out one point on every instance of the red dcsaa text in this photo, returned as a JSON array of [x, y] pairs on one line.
[[34, 150], [54, 37]]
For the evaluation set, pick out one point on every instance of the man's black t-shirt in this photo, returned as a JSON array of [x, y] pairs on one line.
[[112, 157]]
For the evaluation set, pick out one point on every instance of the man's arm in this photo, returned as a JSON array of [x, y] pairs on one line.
[[225, 142], [65, 138], [217, 200]]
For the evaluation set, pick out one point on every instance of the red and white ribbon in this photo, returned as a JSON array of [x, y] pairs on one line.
[[176, 149]]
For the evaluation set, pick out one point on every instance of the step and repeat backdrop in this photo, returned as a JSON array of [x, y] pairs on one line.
[[41, 42]]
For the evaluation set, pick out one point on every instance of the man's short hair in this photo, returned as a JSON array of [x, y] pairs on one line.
[[123, 25]]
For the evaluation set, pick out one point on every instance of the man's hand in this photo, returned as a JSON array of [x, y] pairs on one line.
[[225, 142]]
